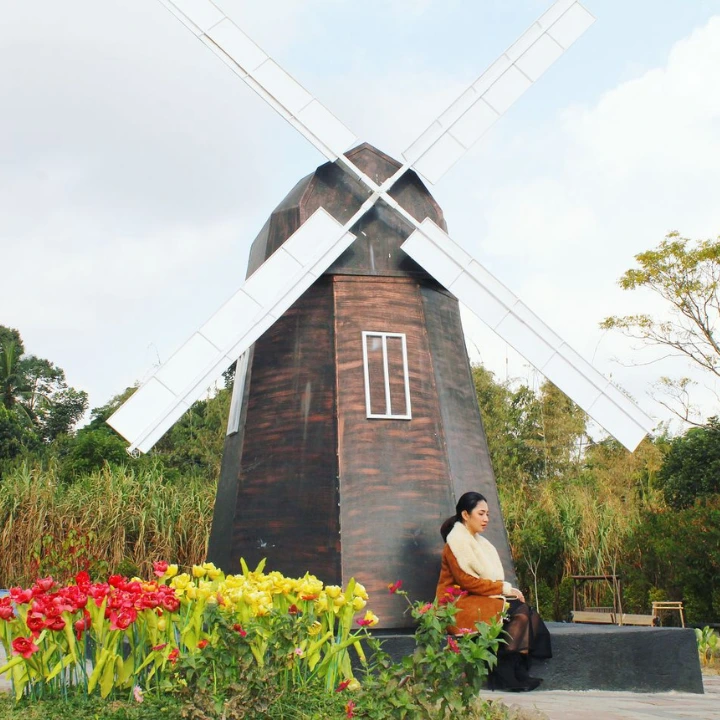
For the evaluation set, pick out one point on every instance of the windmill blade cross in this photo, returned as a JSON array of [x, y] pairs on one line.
[[153, 409]]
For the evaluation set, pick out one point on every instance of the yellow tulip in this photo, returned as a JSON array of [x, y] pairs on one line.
[[333, 591], [354, 684], [358, 604], [162, 623], [360, 591], [198, 571], [370, 619], [212, 572], [181, 581], [171, 572], [314, 629]]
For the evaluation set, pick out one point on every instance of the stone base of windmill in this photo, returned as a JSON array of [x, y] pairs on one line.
[[590, 657]]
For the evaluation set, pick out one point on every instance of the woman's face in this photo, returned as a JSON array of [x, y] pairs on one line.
[[477, 520]]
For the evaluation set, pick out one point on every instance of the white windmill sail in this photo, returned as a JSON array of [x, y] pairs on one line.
[[160, 402], [247, 60], [514, 322], [163, 399], [469, 117]]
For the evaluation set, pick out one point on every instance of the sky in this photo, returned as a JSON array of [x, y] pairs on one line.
[[136, 169]]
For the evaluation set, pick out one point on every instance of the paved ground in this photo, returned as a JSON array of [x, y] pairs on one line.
[[566, 705]]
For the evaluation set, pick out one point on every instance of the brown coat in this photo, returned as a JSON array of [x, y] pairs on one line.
[[477, 604]]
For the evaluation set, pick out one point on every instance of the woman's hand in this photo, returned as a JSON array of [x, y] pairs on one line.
[[517, 594]]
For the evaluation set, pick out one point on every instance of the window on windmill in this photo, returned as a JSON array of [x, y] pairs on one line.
[[387, 386]]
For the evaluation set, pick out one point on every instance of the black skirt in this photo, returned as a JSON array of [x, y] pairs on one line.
[[527, 632]]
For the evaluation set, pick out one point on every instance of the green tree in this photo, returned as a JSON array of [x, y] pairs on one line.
[[686, 275], [94, 445], [15, 437], [677, 551], [533, 437], [35, 390], [12, 382], [692, 466]]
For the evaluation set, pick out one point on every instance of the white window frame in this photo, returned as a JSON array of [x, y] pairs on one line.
[[388, 415]]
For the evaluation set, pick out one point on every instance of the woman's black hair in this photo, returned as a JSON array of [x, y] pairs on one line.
[[467, 502]]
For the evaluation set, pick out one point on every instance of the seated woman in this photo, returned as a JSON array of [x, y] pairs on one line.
[[472, 563]]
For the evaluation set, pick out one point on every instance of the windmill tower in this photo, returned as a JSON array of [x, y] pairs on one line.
[[354, 425]]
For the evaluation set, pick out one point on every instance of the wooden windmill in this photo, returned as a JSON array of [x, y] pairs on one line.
[[354, 424]]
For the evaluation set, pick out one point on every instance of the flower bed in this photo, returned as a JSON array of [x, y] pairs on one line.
[[253, 645], [133, 632]]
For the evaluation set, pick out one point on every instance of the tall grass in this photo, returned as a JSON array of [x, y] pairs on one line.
[[129, 516], [582, 523]]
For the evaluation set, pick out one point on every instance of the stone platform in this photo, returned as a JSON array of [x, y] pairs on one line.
[[606, 657]]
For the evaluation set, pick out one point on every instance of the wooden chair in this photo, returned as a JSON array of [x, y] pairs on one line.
[[660, 606]]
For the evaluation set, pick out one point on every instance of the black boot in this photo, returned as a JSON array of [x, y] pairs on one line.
[[522, 670], [504, 677]]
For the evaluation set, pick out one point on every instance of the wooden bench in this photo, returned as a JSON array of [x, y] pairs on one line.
[[636, 619], [597, 617]]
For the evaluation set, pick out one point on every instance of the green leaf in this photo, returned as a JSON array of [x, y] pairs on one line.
[[108, 677], [95, 675], [60, 666], [11, 664]]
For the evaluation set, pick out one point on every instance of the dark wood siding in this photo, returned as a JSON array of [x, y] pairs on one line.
[[287, 499], [467, 449], [394, 484]]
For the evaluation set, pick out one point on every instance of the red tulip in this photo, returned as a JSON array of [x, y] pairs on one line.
[[117, 581], [82, 579], [239, 629], [82, 625], [123, 619], [35, 623], [160, 568], [20, 596], [55, 623], [170, 603], [24, 646], [44, 584]]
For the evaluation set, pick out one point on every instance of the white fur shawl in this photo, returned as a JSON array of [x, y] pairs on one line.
[[476, 556]]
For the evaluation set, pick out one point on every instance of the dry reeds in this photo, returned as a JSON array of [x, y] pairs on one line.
[[129, 517]]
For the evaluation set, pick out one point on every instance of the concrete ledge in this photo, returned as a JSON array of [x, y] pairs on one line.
[[603, 657], [638, 659]]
